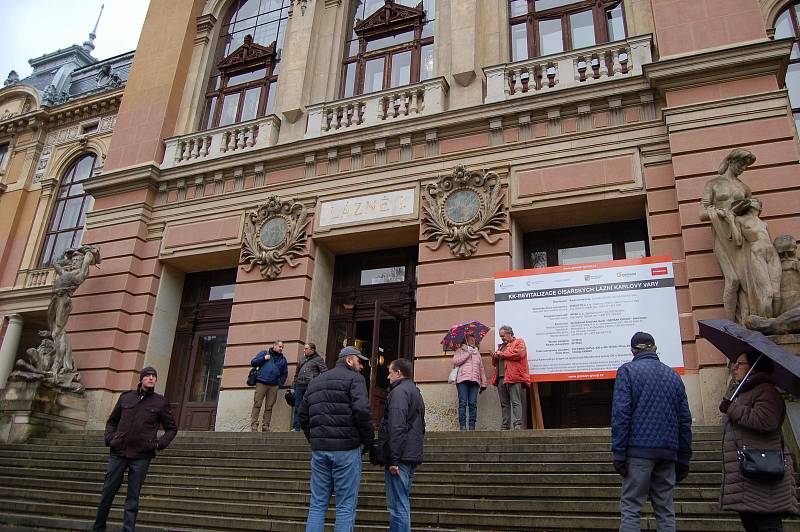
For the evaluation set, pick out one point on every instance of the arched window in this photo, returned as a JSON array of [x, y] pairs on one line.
[[69, 215], [390, 45], [788, 25], [543, 27], [242, 83]]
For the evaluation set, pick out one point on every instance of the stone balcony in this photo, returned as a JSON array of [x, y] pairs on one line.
[[35, 278], [214, 143], [587, 66], [421, 99]]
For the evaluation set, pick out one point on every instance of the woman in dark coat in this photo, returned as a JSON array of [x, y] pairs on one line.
[[755, 416]]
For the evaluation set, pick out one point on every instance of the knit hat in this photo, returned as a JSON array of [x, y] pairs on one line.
[[149, 370], [641, 340]]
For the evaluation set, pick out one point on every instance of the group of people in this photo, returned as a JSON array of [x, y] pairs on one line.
[[510, 361], [651, 431]]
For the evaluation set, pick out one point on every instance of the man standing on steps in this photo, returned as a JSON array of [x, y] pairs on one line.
[[651, 433], [272, 372], [511, 374], [131, 433], [308, 368], [402, 432], [337, 421]]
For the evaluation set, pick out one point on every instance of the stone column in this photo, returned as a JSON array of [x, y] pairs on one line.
[[9, 347]]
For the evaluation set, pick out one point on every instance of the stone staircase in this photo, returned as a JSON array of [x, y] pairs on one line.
[[526, 480]]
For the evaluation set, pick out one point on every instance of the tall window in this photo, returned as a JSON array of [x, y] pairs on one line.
[[69, 215], [543, 27], [788, 25], [242, 84], [3, 154], [390, 45]]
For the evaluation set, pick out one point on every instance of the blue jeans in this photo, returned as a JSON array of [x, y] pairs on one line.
[[467, 396], [653, 478], [334, 472], [398, 490], [137, 471], [299, 390]]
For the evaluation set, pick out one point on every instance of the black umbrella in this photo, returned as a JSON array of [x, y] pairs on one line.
[[733, 339]]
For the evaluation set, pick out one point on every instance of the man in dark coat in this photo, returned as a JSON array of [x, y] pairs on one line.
[[402, 432], [336, 419], [651, 433], [272, 372], [308, 368], [131, 433]]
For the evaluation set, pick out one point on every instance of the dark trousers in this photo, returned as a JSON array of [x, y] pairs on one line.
[[758, 522], [137, 471], [299, 390]]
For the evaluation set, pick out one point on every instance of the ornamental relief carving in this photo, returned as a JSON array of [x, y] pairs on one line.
[[274, 235], [461, 208]]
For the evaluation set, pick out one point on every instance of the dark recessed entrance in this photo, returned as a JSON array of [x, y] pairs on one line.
[[198, 353], [373, 308], [584, 403]]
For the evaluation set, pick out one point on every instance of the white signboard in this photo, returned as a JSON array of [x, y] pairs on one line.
[[577, 320], [364, 208]]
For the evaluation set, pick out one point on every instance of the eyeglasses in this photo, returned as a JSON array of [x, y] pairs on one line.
[[740, 364]]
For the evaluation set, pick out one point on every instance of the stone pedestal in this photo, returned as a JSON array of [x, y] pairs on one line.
[[29, 409]]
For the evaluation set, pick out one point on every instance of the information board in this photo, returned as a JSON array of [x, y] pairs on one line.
[[577, 320]]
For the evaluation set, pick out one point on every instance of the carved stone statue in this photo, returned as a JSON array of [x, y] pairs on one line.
[[52, 361], [788, 303], [742, 245]]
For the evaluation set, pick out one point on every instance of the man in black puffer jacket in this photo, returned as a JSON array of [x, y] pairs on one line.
[[131, 433], [337, 421]]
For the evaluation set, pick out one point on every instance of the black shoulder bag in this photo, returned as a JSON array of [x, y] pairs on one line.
[[253, 375], [767, 465]]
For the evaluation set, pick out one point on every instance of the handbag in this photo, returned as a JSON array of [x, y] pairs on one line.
[[251, 377], [761, 464], [453, 375], [290, 397]]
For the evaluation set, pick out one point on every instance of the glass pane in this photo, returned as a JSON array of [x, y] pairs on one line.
[[57, 216], [518, 7], [519, 42], [793, 84], [797, 122], [373, 75], [76, 190], [247, 76], [616, 25], [429, 29], [539, 259], [250, 105], [83, 168], [47, 250], [207, 374], [88, 201], [550, 39], [783, 26], [268, 110], [3, 152], [63, 241], [266, 34], [221, 292], [392, 40], [72, 211], [401, 69], [236, 40], [582, 28], [349, 79], [541, 5], [426, 63], [244, 25], [583, 254], [211, 109], [230, 104], [352, 48], [396, 274], [247, 9], [430, 9], [371, 6], [635, 250]]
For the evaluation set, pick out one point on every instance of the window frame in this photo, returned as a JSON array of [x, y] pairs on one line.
[[5, 148], [392, 28], [54, 228], [531, 20], [792, 8]]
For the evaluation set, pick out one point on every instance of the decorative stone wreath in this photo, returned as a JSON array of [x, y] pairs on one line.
[[274, 235]]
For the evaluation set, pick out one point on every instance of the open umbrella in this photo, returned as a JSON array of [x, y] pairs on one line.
[[733, 339], [457, 333]]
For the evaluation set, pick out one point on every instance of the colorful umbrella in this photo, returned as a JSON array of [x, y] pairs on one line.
[[457, 333]]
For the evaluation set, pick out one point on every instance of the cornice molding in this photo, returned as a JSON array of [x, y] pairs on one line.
[[123, 180], [761, 57]]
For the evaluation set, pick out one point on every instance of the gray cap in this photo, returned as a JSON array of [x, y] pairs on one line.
[[350, 350]]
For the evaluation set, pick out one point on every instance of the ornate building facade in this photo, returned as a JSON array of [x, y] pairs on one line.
[[356, 171]]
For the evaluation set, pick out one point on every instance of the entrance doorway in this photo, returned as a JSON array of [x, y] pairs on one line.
[[373, 309], [583, 403], [198, 353]]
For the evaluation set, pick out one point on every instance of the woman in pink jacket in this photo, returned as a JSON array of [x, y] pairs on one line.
[[470, 379]]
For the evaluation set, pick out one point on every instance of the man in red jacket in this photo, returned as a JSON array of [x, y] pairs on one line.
[[131, 433], [511, 374]]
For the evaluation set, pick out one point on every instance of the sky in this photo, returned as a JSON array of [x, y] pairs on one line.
[[32, 28]]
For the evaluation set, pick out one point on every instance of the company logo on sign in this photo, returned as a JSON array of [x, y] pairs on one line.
[[626, 274], [504, 284], [659, 271], [590, 277]]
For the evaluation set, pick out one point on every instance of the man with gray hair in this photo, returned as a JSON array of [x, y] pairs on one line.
[[511, 374], [651, 435]]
